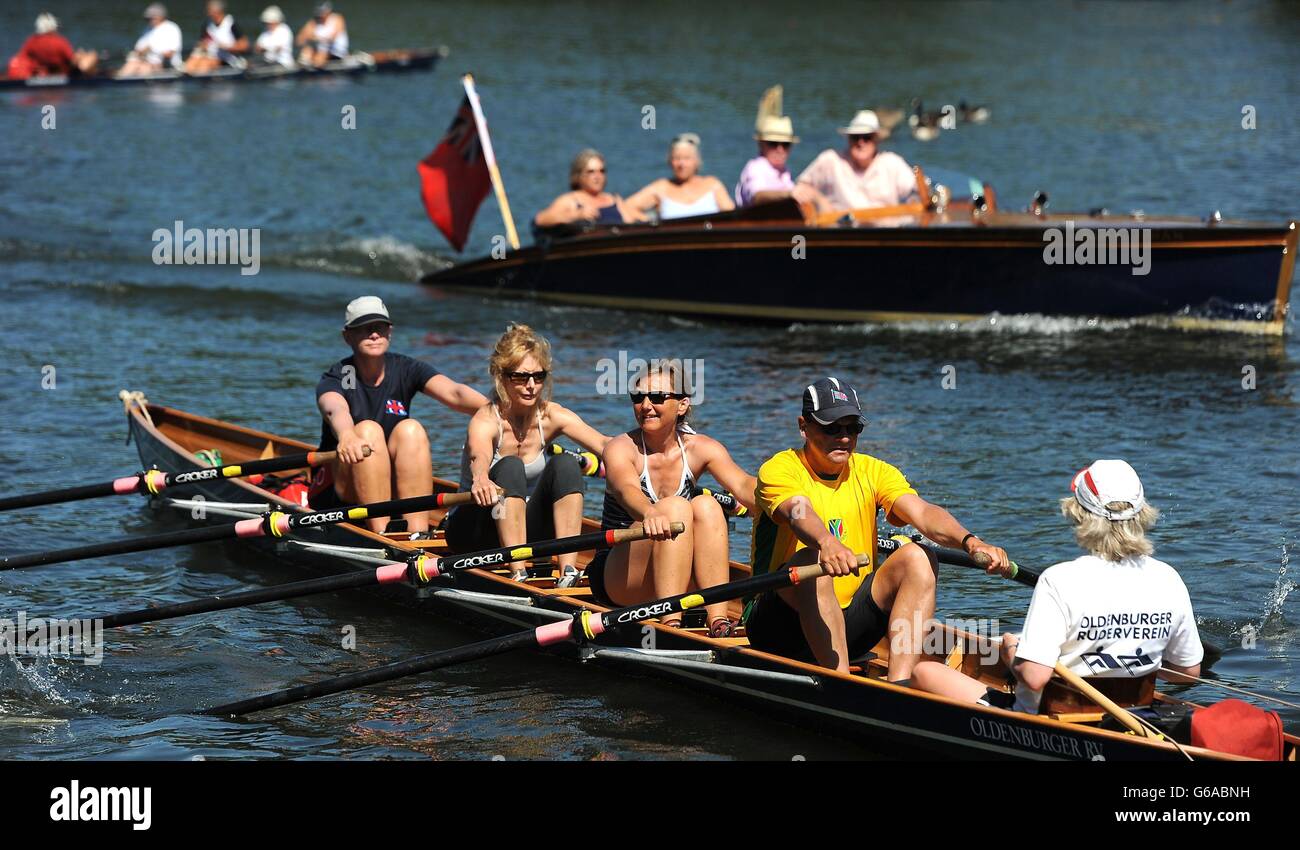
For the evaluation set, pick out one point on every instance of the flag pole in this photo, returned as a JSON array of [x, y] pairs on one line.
[[481, 124]]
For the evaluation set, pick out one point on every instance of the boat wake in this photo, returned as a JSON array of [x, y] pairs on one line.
[[1037, 324], [383, 257]]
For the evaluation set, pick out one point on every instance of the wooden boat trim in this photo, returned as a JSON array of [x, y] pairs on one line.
[[181, 419], [1287, 271]]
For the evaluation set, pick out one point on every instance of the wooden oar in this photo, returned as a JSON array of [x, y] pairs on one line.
[[419, 569], [275, 524], [155, 481], [1102, 700], [585, 625]]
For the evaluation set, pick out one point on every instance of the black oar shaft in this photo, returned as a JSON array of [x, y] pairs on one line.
[[120, 547], [226, 601], [154, 481], [386, 673]]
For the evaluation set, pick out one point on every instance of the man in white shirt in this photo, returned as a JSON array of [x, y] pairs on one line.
[[861, 176], [220, 42], [275, 44], [158, 49], [1116, 612]]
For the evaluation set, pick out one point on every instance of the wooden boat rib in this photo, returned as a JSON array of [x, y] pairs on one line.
[[384, 61], [860, 706], [957, 265]]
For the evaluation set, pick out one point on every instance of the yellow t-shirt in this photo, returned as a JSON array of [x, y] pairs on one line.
[[847, 505]]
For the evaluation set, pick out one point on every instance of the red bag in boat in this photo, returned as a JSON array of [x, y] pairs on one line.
[[295, 490], [1237, 727]]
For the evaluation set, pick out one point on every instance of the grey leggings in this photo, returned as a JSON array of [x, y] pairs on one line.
[[471, 527]]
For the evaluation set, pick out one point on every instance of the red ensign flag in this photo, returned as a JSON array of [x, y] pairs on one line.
[[454, 179]]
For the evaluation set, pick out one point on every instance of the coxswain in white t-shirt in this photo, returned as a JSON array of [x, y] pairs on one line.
[[323, 38], [1114, 613], [158, 49], [275, 44], [220, 42]]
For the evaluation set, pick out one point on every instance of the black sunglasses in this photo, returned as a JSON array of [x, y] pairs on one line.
[[839, 429], [655, 397], [521, 378], [777, 144]]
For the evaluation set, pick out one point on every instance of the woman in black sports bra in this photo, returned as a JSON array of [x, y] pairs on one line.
[[651, 474]]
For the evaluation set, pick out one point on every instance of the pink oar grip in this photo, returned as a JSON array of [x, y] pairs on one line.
[[390, 572], [553, 633], [123, 486], [249, 527]]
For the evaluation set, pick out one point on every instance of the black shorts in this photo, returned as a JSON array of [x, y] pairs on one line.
[[773, 626], [595, 573], [471, 527]]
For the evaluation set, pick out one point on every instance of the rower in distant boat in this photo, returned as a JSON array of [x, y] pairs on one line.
[[158, 49], [323, 38], [687, 192], [543, 495], [588, 200], [650, 477], [767, 177], [221, 42], [1113, 613], [861, 176], [275, 45], [365, 402], [47, 53], [825, 496]]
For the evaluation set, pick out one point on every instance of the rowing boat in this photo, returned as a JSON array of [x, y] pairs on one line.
[[768, 264], [384, 61], [859, 705]]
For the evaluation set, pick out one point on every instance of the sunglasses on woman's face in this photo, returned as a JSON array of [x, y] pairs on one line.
[[655, 397], [839, 429], [521, 378]]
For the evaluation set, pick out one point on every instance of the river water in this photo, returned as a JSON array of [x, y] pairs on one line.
[[1125, 105]]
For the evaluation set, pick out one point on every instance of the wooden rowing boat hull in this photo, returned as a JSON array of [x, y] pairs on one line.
[[389, 61], [1225, 276], [888, 717]]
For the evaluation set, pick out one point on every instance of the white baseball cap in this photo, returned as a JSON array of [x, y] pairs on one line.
[[272, 15], [1107, 481], [364, 310]]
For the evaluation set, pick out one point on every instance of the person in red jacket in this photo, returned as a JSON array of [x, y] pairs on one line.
[[48, 53]]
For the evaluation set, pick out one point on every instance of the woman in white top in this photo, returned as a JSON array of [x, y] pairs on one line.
[[275, 44], [505, 447], [687, 192], [1116, 612], [651, 477], [158, 49]]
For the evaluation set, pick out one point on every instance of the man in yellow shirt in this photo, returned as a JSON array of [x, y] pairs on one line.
[[825, 496]]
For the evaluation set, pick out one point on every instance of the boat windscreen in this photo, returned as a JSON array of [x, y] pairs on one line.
[[962, 186]]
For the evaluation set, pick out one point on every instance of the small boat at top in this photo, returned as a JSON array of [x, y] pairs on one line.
[[356, 64], [950, 258], [860, 705]]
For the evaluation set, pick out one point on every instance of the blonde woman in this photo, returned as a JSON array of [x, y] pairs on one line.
[[651, 474], [1115, 612], [687, 192], [588, 200], [505, 447]]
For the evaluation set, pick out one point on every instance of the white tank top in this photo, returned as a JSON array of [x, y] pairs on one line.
[[704, 205]]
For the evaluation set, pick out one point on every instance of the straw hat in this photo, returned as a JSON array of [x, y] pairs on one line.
[[863, 124], [776, 128]]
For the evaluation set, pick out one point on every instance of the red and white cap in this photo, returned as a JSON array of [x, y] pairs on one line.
[[1107, 481]]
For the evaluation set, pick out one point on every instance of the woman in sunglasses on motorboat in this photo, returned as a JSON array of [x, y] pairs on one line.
[[651, 478], [505, 448]]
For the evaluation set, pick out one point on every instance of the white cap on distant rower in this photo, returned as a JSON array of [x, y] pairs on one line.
[[272, 15], [155, 10], [1107, 481], [366, 309], [46, 23], [865, 123]]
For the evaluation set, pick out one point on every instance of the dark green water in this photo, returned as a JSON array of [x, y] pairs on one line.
[[1127, 105]]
